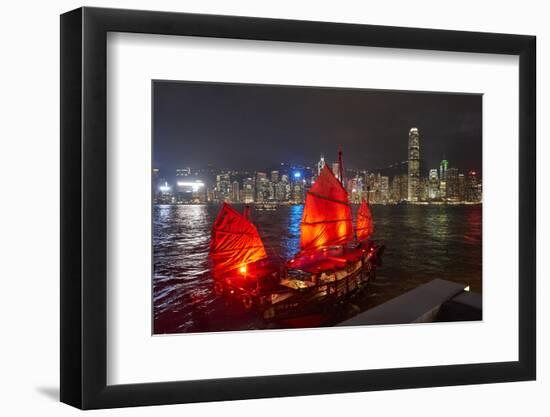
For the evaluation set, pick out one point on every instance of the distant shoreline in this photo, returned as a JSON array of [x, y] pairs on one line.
[[421, 203]]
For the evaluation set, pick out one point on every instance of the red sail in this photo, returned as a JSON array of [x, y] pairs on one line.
[[364, 226], [327, 214], [235, 241]]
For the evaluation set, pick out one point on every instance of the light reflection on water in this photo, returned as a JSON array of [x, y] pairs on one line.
[[422, 243]]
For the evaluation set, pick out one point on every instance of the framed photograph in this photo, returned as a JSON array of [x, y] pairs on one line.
[[258, 208]]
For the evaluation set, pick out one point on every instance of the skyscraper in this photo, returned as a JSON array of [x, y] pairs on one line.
[[248, 191], [473, 188], [262, 187], [443, 178], [461, 187], [399, 188], [452, 183], [281, 189], [384, 188], [298, 192], [414, 164], [223, 187], [433, 191], [235, 193]]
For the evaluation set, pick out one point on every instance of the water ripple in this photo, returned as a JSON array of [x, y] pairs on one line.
[[422, 243]]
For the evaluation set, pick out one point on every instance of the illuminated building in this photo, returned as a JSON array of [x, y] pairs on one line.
[[443, 166], [223, 187], [289, 183], [443, 178], [399, 188], [263, 187], [156, 183], [414, 165], [285, 181], [164, 193], [282, 189], [248, 191], [375, 196], [210, 194], [433, 185], [423, 189], [298, 187], [368, 187], [452, 184], [235, 195], [384, 189], [461, 187], [354, 190], [155, 178], [183, 172], [190, 191], [473, 187], [298, 192]]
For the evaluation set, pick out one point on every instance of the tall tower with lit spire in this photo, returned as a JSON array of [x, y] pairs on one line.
[[414, 165]]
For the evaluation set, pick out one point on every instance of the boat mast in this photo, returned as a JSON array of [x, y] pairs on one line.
[[340, 165]]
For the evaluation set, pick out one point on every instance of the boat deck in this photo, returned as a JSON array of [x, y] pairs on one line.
[[326, 259]]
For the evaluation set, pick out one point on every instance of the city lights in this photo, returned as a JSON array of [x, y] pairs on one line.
[[195, 186], [165, 188], [406, 182]]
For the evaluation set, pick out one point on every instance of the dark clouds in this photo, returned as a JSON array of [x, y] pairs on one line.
[[243, 126]]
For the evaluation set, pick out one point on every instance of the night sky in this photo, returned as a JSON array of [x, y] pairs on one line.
[[256, 127]]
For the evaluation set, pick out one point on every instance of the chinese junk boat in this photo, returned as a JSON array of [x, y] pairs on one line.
[[333, 263]]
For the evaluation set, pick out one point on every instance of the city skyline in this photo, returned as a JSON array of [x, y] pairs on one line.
[[255, 127], [281, 201], [289, 184]]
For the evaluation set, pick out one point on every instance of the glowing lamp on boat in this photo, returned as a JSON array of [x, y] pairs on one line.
[[235, 242]]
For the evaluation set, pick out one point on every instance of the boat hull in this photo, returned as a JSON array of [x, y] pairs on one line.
[[293, 292]]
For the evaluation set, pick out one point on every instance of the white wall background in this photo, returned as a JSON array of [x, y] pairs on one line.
[[29, 207]]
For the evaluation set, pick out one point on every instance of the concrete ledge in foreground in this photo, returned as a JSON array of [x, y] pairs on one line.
[[420, 305]]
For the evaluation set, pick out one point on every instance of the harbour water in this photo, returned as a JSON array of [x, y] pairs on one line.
[[423, 242]]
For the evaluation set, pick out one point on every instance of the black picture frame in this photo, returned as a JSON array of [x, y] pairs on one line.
[[84, 207]]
